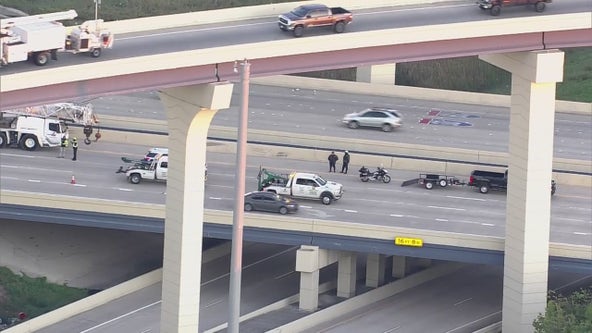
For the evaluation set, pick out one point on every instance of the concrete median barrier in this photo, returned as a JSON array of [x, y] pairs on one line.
[[393, 156], [243, 13], [88, 303]]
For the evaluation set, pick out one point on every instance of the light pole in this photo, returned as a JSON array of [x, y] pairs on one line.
[[239, 202]]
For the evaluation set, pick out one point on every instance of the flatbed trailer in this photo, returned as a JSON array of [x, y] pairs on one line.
[[430, 180]]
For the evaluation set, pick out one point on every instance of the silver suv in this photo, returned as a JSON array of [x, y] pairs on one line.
[[384, 118]]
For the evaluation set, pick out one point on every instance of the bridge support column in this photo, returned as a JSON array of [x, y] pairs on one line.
[[375, 270], [347, 275], [190, 110], [528, 208], [399, 267], [309, 260], [379, 74]]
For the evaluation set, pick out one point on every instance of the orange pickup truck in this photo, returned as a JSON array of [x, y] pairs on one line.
[[309, 16]]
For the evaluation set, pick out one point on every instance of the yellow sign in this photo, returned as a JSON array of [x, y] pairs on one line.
[[404, 241]]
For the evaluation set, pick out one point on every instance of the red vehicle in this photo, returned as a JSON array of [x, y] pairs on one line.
[[495, 6], [309, 16]]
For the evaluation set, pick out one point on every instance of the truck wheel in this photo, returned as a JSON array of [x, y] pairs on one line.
[[484, 188], [386, 127], [298, 31], [429, 185], [96, 52], [339, 27], [135, 178], [353, 124], [495, 10], [41, 58], [283, 210], [248, 207], [326, 199], [2, 140], [539, 6], [29, 142], [386, 179], [443, 182]]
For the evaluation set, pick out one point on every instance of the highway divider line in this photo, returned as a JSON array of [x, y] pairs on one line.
[[394, 156], [417, 93], [299, 225], [355, 303], [236, 14]]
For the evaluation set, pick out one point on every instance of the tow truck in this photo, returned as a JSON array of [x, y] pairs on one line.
[[39, 38], [299, 185], [44, 126], [154, 169]]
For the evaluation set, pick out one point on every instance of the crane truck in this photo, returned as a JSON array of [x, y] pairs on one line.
[[39, 38], [43, 126]]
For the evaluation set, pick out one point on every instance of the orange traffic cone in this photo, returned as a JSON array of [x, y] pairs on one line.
[[73, 180]]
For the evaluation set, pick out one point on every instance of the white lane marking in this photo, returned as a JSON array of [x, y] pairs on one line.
[[215, 198], [79, 185], [251, 265], [119, 317], [195, 30], [218, 301], [450, 208], [11, 178], [392, 329], [283, 275], [305, 206], [442, 220], [582, 233], [34, 180], [568, 219], [465, 198], [463, 301], [397, 215], [350, 211], [488, 224], [123, 189]]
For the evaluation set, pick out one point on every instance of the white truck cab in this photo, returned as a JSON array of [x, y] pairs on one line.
[[308, 186], [30, 133], [156, 170]]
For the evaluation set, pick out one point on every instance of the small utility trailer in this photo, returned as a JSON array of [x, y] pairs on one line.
[[429, 180]]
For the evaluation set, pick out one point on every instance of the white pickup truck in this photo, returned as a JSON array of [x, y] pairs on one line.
[[300, 185], [155, 170]]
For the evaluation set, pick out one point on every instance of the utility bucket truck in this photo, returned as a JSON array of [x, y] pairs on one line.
[[43, 126], [39, 38]]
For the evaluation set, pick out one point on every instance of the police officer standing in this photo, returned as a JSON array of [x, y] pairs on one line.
[[74, 148], [345, 165], [332, 160], [63, 146]]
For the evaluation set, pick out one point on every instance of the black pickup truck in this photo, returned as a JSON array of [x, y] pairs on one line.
[[486, 180]]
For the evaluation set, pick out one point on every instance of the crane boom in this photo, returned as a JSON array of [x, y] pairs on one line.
[[74, 112], [57, 16]]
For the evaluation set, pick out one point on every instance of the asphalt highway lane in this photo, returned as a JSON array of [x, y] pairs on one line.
[[305, 111], [454, 209]]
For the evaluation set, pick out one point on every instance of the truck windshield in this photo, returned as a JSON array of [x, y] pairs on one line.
[[321, 181], [299, 12]]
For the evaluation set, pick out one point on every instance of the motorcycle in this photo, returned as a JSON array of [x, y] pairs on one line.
[[380, 174]]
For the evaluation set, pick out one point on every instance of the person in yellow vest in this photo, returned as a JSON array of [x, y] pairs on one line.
[[63, 146], [74, 148]]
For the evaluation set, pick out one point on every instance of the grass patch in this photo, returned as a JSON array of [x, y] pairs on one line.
[[33, 296], [464, 74]]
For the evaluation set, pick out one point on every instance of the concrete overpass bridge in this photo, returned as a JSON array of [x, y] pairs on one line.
[[195, 84]]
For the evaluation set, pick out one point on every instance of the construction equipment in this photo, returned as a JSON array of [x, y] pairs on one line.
[[32, 127], [40, 37]]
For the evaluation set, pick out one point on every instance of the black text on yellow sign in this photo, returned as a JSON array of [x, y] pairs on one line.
[[404, 241]]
